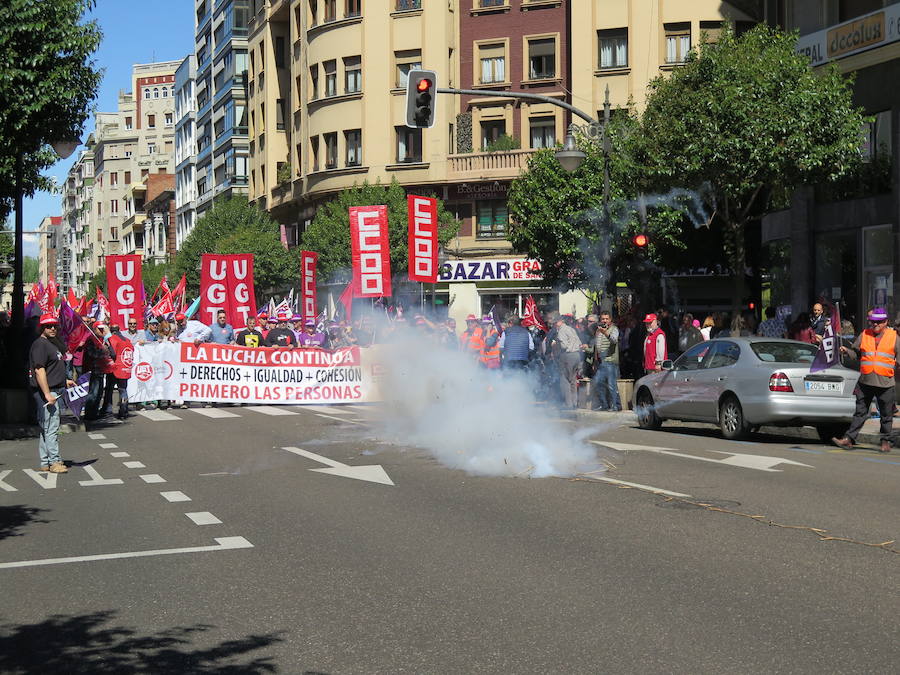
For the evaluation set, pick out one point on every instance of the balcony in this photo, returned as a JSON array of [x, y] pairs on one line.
[[488, 165]]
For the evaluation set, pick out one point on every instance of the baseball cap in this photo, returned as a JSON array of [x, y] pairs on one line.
[[180, 316], [271, 319], [153, 320], [875, 314], [48, 319], [309, 322], [100, 324], [471, 317], [649, 318], [283, 317], [296, 317]]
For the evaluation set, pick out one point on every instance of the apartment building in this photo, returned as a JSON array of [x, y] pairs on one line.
[[326, 85], [221, 126], [840, 241], [185, 149], [77, 212], [49, 246]]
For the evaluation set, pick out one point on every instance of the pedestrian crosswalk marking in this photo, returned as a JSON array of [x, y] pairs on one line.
[[158, 415], [215, 413], [270, 410], [331, 410]]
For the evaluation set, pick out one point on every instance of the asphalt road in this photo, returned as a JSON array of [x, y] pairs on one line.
[[443, 572]]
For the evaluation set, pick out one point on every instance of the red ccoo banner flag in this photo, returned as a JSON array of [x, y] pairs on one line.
[[308, 261], [370, 251], [423, 241], [125, 287]]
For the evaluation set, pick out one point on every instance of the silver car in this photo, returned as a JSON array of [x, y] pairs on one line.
[[744, 383]]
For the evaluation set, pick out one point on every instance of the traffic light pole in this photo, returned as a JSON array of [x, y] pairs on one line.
[[527, 97]]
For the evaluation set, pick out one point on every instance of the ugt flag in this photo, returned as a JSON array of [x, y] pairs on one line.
[[829, 354]]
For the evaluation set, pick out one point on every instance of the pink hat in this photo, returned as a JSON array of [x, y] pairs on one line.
[[48, 319], [649, 318], [696, 323]]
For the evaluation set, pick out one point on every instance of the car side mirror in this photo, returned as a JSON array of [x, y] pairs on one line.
[[667, 365]]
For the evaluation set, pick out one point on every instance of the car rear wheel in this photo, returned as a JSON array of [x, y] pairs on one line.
[[646, 411], [828, 431], [731, 419]]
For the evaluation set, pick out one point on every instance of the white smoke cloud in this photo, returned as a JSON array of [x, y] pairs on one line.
[[484, 423]]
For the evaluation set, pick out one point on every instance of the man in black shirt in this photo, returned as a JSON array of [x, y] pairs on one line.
[[281, 336], [48, 372], [250, 336]]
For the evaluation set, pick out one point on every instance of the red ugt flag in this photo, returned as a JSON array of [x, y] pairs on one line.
[[423, 243], [370, 251], [123, 281]]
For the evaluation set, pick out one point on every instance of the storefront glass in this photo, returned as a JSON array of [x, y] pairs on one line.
[[837, 271], [775, 266], [514, 303], [879, 271]]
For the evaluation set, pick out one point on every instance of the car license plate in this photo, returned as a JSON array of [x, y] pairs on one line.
[[823, 386]]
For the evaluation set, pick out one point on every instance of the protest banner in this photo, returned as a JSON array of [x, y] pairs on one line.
[[423, 241], [370, 251], [308, 262], [124, 285], [231, 374], [226, 283]]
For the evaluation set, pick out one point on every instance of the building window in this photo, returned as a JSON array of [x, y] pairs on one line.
[[314, 152], [492, 219], [128, 123], [279, 114], [280, 52], [114, 233], [408, 5], [330, 10], [151, 148], [151, 121], [491, 3], [155, 92], [170, 119], [613, 48], [678, 42], [114, 178], [99, 209], [331, 151], [493, 62], [352, 75], [353, 8], [144, 173], [541, 59], [313, 82], [491, 131], [406, 61], [127, 178], [409, 144], [543, 132], [313, 12], [330, 68], [353, 140], [114, 206], [713, 30], [165, 92], [147, 92]]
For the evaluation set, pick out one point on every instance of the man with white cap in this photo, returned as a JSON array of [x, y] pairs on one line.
[[877, 349], [655, 351], [48, 379]]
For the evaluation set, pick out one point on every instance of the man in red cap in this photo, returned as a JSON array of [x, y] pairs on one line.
[[48, 379], [98, 359], [877, 349], [654, 345], [472, 340]]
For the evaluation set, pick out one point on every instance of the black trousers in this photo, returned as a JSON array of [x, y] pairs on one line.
[[885, 397]]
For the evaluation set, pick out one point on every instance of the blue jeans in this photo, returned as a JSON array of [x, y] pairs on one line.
[[605, 385], [48, 420]]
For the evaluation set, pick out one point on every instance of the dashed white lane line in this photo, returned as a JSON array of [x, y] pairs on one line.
[[270, 410], [158, 415], [222, 544], [96, 437], [108, 446], [134, 465], [333, 410], [176, 496], [152, 478], [215, 413], [119, 454], [648, 488], [339, 419], [203, 518]]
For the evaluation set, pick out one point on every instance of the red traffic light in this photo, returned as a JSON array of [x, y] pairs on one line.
[[424, 84], [640, 240]]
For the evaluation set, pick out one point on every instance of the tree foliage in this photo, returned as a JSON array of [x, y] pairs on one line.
[[31, 269], [329, 233], [220, 225], [274, 269], [747, 117], [6, 243], [558, 218], [47, 82]]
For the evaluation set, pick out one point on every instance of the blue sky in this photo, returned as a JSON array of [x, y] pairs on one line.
[[133, 32]]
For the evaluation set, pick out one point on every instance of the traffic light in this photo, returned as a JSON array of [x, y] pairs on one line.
[[421, 88], [640, 241]]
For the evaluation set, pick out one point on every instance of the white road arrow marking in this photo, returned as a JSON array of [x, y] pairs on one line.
[[758, 462], [372, 473], [47, 482], [6, 486]]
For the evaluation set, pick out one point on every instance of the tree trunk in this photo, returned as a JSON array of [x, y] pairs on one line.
[[738, 260]]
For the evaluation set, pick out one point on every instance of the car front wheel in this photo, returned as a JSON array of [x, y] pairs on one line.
[[731, 419], [646, 411]]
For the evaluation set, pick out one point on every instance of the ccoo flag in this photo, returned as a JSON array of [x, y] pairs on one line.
[[829, 354]]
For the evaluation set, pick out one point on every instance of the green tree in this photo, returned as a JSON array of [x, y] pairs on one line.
[[749, 119], [220, 223], [275, 270], [329, 233], [30, 270], [47, 82], [558, 218], [6, 243], [98, 280], [152, 274]]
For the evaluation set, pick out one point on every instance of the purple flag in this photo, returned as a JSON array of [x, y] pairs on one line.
[[76, 396], [829, 354]]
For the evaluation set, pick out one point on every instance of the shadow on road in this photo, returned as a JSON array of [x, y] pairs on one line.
[[14, 517], [89, 643], [767, 435]]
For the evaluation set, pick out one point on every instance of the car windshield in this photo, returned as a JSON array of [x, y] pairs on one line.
[[784, 352]]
